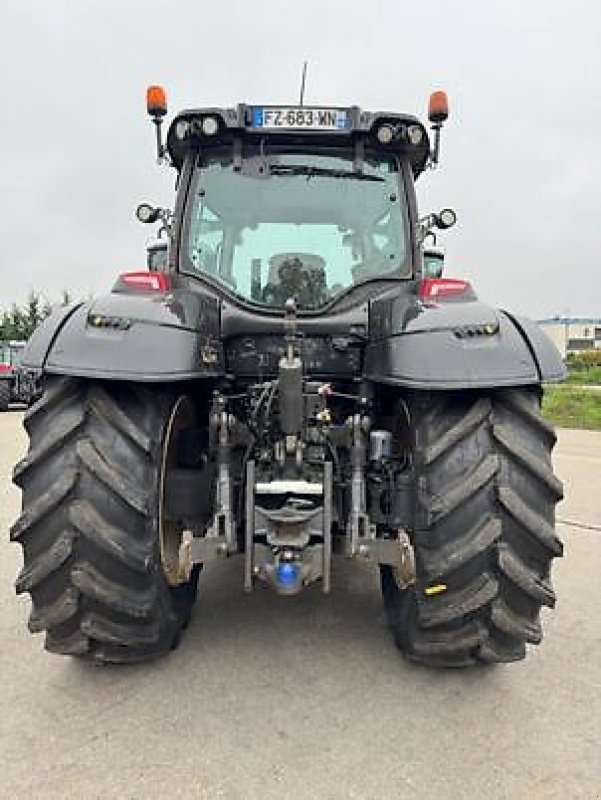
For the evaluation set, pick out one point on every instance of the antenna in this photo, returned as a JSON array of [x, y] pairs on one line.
[[303, 79]]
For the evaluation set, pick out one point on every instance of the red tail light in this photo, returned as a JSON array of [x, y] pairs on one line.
[[5, 369], [433, 288], [146, 281]]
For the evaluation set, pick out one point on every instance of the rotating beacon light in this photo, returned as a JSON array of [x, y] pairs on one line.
[[156, 106]]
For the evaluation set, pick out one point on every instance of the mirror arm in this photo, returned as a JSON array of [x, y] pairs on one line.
[[424, 226], [166, 217], [159, 138], [435, 152]]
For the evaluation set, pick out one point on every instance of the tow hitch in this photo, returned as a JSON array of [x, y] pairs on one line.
[[288, 541]]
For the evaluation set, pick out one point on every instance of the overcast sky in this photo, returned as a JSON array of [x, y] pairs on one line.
[[521, 152]]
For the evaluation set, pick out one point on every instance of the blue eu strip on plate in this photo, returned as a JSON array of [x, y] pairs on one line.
[[257, 117]]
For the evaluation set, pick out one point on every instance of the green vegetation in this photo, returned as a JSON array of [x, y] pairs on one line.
[[569, 407], [585, 368], [585, 359], [585, 377], [19, 322]]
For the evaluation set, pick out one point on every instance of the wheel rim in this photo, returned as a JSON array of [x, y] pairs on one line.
[[171, 531]]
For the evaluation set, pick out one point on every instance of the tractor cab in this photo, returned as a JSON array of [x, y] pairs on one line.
[[10, 354], [314, 204]]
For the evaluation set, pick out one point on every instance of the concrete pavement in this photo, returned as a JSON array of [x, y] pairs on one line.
[[306, 697]]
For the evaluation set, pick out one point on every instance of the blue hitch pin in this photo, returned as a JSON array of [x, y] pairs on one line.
[[287, 574]]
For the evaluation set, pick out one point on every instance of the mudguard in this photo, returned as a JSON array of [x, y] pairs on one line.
[[137, 337], [551, 367], [44, 336], [456, 345]]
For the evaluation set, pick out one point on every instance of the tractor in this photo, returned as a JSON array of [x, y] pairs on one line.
[[291, 387], [17, 385], [7, 369]]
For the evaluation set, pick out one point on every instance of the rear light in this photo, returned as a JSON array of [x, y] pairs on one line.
[[435, 288], [146, 281], [5, 369]]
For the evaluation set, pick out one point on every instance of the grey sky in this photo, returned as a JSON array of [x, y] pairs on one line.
[[521, 158]]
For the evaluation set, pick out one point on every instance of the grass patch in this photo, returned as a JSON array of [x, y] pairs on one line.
[[585, 377], [572, 408]]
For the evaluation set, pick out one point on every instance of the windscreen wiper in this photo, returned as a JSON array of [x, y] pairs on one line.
[[310, 172]]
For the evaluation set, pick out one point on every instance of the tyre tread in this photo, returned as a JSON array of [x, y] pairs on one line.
[[441, 561], [49, 614], [125, 599], [43, 565], [454, 435], [536, 586], [486, 536], [461, 490], [133, 496], [90, 524], [87, 526]]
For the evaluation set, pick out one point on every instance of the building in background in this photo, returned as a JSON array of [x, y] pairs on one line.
[[573, 334]]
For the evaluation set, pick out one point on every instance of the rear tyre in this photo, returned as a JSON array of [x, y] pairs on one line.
[[89, 525], [484, 532], [4, 395]]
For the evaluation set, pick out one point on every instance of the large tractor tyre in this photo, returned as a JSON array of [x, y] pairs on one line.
[[89, 528], [484, 538], [4, 395]]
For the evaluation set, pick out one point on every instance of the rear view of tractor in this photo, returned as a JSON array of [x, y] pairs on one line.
[[291, 385], [17, 385], [6, 376]]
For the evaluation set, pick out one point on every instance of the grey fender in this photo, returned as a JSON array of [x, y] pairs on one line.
[[551, 367], [456, 345], [139, 337], [44, 336]]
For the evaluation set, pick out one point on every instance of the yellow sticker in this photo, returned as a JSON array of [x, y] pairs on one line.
[[438, 588]]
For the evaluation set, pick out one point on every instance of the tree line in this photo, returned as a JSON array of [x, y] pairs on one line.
[[19, 322]]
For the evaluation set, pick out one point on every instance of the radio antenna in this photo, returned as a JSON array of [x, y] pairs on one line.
[[303, 79]]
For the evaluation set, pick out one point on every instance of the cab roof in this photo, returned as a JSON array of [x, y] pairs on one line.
[[349, 128]]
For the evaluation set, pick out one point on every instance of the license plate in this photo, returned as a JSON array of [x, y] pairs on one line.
[[314, 119]]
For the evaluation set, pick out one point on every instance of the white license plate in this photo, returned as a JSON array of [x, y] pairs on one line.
[[315, 119]]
